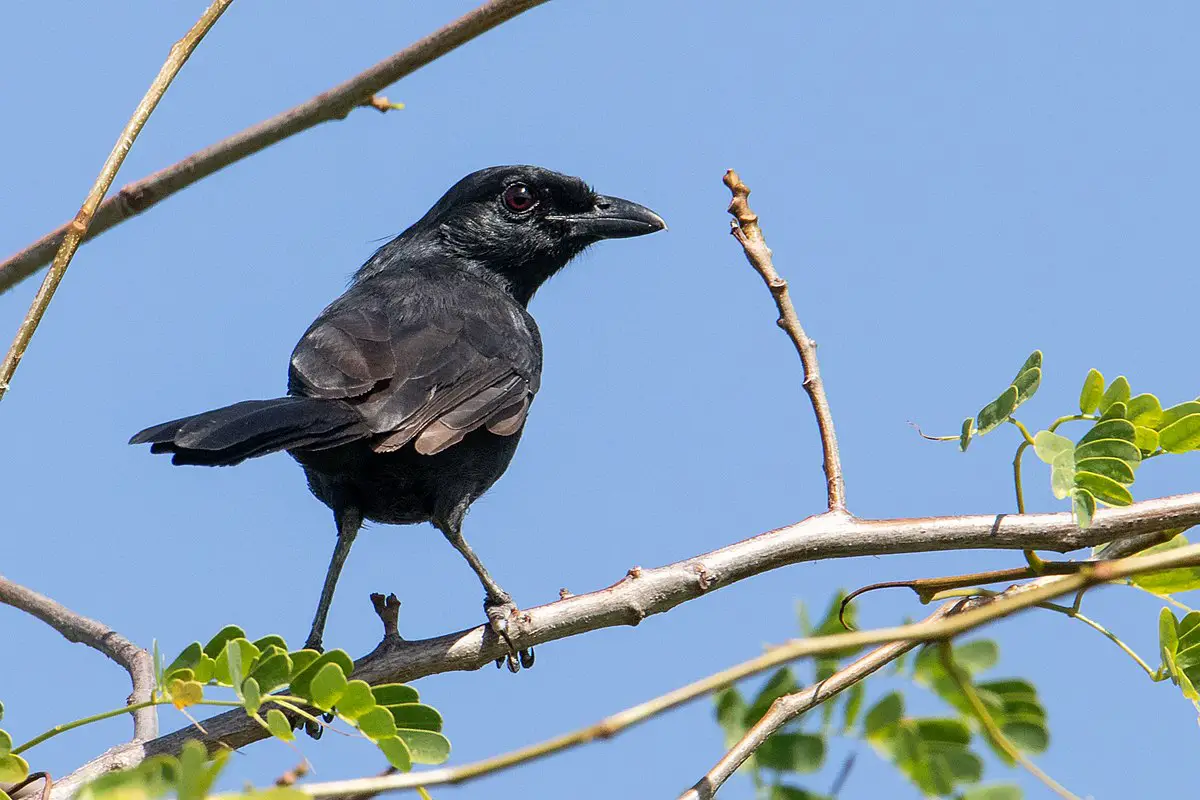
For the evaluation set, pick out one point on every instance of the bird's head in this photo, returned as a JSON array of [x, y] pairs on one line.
[[525, 223]]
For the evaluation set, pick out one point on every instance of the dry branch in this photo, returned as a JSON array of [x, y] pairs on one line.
[[331, 104]]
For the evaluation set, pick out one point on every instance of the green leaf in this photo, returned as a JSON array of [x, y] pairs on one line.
[[302, 683], [278, 725], [272, 672], [1146, 439], [977, 656], [251, 695], [1033, 362], [217, 643], [415, 716], [188, 659], [13, 769], [964, 438], [302, 660], [1084, 506], [327, 686], [1182, 435], [196, 775], [792, 752], [396, 752], [234, 662], [853, 704], [781, 791], [731, 714], [1175, 413], [425, 747], [356, 700], [1027, 383], [5, 743], [377, 724], [205, 669], [1093, 391], [273, 640], [1113, 468], [1115, 411], [1144, 410], [394, 694], [996, 412], [1110, 429], [1109, 448], [1103, 488], [1062, 475], [1049, 446], [1172, 581], [996, 791], [1027, 735], [782, 682], [884, 715], [1117, 392]]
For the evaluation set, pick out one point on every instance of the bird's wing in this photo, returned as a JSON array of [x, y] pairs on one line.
[[429, 378]]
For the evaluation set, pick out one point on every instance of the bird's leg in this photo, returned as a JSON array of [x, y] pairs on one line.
[[349, 521], [497, 603]]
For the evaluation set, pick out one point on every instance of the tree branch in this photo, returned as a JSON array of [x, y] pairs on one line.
[[788, 707], [78, 228], [746, 230], [98, 636], [334, 103], [644, 592]]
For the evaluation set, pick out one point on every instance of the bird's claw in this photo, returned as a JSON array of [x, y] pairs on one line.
[[499, 613]]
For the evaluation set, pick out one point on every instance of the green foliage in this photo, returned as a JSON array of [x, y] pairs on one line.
[[13, 768], [1172, 581], [272, 683], [1179, 645], [1101, 465], [937, 754]]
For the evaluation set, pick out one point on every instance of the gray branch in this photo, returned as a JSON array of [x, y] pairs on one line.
[[643, 592]]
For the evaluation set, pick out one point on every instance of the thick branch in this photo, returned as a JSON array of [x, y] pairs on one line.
[[653, 591], [98, 636], [331, 104], [78, 228], [746, 230], [787, 708]]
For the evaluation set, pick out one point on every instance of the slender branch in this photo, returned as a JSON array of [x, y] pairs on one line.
[[992, 729], [78, 228], [788, 707], [98, 636], [746, 230], [653, 591], [334, 103]]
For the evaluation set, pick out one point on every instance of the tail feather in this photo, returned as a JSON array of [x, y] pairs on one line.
[[252, 428]]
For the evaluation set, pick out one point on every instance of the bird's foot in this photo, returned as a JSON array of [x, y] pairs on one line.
[[505, 620], [311, 727]]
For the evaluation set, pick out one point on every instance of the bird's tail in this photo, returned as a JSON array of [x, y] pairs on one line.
[[230, 435]]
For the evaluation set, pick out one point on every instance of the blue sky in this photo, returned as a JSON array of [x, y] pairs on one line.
[[948, 186]]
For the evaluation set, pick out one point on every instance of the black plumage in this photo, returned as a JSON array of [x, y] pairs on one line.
[[407, 395]]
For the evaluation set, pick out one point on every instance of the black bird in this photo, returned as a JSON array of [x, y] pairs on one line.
[[407, 395]]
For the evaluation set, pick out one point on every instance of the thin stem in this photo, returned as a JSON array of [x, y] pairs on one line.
[[1112, 637], [83, 220], [1024, 431], [1070, 418], [746, 230], [991, 728], [116, 712], [1017, 477]]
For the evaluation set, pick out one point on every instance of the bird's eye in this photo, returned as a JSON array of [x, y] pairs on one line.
[[519, 197]]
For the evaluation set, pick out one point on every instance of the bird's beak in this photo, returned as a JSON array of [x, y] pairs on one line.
[[613, 218]]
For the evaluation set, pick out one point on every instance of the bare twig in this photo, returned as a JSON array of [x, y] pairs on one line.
[[788, 707], [991, 729], [78, 228], [746, 230], [657, 590], [334, 103], [98, 636]]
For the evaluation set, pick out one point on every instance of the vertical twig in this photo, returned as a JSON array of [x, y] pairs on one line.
[[79, 227], [746, 230]]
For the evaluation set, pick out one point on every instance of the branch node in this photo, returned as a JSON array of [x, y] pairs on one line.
[[388, 610]]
